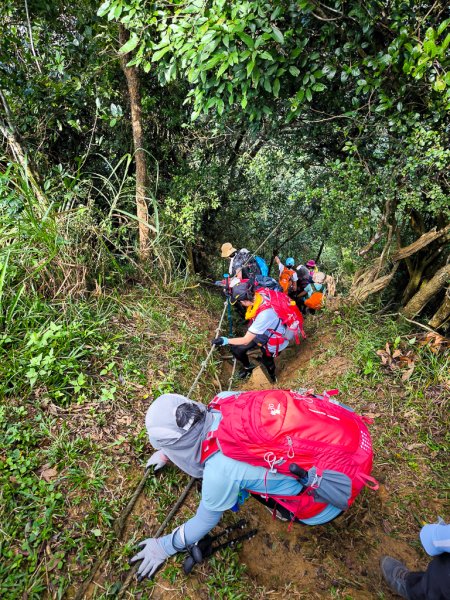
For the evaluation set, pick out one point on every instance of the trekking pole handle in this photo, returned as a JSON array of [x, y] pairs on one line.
[[298, 471], [226, 276]]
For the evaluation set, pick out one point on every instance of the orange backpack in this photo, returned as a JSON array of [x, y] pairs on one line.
[[286, 279], [315, 301]]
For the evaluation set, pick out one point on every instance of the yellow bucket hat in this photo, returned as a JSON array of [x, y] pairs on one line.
[[227, 250]]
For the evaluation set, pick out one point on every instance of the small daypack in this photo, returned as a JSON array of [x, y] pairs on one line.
[[264, 269], [288, 313], [286, 279], [277, 428], [315, 301]]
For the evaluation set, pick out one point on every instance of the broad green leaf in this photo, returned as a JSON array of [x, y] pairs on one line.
[[104, 8], [248, 41], [276, 87], [277, 35], [266, 55], [267, 85], [160, 53], [130, 45], [294, 71]]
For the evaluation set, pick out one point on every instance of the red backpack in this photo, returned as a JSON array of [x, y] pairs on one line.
[[288, 313], [277, 428]]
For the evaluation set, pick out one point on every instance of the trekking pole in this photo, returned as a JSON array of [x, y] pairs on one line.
[[230, 319]]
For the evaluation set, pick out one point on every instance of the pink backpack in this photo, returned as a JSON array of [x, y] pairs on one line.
[[278, 428]]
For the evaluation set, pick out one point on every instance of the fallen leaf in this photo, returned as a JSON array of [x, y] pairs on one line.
[[372, 415], [49, 474], [407, 374]]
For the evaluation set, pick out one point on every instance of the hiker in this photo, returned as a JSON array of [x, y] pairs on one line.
[[432, 584], [313, 268], [288, 276], [315, 292], [267, 329], [194, 438], [243, 264], [303, 279]]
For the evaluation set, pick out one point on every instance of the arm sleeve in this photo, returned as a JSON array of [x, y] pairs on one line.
[[194, 529], [280, 267]]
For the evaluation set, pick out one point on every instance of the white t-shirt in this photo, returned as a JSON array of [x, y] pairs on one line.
[[294, 275], [267, 320]]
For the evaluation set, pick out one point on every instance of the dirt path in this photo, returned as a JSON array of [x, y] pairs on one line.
[[337, 560]]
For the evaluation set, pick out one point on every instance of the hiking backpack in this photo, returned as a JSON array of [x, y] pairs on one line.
[[316, 300], [264, 269], [267, 282], [277, 428], [246, 261], [286, 279], [288, 313]]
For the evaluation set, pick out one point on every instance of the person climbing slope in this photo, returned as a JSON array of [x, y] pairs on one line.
[[288, 276], [243, 264], [313, 268], [274, 322], [304, 279], [315, 291], [206, 443]]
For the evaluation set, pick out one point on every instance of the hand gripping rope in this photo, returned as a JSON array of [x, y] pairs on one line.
[[119, 523]]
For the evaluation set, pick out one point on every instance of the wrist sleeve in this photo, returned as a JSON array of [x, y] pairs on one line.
[[194, 529]]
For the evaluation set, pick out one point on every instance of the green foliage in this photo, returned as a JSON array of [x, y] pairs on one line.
[[246, 56]]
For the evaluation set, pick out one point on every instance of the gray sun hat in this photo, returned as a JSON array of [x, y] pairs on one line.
[[177, 426]]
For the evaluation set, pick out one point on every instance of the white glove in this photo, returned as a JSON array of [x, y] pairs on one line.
[[152, 556], [157, 460]]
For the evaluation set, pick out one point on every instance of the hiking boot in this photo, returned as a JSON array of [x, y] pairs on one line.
[[270, 376], [278, 515], [245, 372], [395, 572]]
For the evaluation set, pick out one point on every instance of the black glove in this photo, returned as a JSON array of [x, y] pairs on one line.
[[220, 341]]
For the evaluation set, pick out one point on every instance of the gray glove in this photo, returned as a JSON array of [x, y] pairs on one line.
[[152, 556], [157, 460]]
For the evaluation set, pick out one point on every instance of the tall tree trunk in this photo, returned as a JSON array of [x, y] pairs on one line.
[[427, 292], [8, 130], [319, 254], [131, 75]]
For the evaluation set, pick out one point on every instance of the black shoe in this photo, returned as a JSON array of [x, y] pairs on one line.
[[395, 574], [270, 376], [245, 372]]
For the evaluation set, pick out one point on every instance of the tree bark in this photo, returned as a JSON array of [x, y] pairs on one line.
[[442, 315], [132, 78], [427, 292], [422, 242]]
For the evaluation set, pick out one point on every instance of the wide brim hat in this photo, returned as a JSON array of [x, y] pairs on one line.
[[227, 250], [311, 263]]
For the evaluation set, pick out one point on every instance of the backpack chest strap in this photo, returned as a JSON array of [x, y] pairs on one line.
[[210, 446]]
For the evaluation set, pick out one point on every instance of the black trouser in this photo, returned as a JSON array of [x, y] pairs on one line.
[[434, 583], [240, 354]]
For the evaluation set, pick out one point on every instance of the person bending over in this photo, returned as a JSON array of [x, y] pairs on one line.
[[265, 331], [177, 428]]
